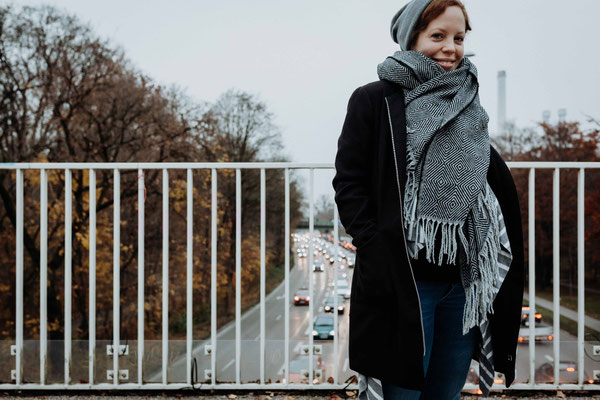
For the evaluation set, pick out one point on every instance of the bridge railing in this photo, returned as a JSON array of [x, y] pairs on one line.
[[208, 377]]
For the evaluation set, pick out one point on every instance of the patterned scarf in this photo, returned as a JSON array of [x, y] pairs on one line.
[[447, 196]]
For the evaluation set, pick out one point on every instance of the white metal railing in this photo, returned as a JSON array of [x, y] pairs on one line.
[[211, 346]]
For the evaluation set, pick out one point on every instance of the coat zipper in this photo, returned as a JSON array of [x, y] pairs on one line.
[[402, 220]]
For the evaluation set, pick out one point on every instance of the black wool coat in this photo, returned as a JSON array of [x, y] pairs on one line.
[[386, 334]]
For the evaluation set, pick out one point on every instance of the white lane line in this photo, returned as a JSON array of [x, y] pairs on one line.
[[280, 297], [549, 358], [257, 337], [298, 347], [277, 318], [229, 364], [345, 365]]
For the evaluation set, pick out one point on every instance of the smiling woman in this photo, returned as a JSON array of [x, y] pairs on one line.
[[415, 167]]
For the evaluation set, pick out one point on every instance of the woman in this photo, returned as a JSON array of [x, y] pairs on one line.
[[434, 215]]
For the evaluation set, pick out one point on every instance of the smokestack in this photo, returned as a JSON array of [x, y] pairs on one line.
[[546, 116], [501, 102]]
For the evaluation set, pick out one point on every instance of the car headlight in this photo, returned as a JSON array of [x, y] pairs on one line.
[[296, 298], [307, 298], [315, 333], [327, 308], [332, 332], [340, 308]]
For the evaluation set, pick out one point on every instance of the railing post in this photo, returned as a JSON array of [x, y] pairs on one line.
[[165, 276], [262, 273], [68, 273], [580, 274], [92, 276], [116, 274], [190, 274], [141, 274], [19, 280], [556, 270], [531, 229], [43, 274], [311, 229], [213, 276], [287, 278], [238, 274]]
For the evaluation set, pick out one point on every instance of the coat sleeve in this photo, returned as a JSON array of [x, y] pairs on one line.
[[353, 170]]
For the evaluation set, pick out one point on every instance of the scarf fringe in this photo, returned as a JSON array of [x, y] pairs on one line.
[[480, 294]]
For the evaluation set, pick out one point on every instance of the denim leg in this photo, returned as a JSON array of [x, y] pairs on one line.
[[430, 294], [452, 351]]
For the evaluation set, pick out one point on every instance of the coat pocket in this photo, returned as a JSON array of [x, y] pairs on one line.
[[372, 263]]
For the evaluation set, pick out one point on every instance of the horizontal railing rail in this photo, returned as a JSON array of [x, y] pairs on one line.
[[208, 379]]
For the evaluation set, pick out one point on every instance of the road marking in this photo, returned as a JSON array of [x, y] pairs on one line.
[[257, 337], [280, 297], [227, 365], [549, 358], [298, 347], [345, 365], [277, 318], [281, 370]]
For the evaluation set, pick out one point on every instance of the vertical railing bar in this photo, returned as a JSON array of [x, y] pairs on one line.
[[190, 260], [262, 273], [68, 273], [335, 294], [43, 273], [19, 278], [238, 273], [287, 277], [531, 234], [141, 273], [213, 275], [165, 275], [580, 274], [556, 270], [311, 228], [116, 274], [92, 275]]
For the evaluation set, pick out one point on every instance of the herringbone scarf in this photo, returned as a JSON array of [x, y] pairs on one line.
[[447, 194]]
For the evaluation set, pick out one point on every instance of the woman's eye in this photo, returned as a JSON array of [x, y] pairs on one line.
[[460, 39], [437, 36]]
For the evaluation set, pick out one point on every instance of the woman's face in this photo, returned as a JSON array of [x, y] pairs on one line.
[[442, 40]]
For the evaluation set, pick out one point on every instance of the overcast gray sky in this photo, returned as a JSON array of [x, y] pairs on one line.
[[304, 58]]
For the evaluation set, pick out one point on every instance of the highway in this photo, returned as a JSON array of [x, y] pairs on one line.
[[301, 330]]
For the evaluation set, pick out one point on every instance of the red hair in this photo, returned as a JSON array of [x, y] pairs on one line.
[[434, 10]]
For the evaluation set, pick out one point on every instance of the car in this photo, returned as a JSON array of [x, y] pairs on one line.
[[542, 333], [330, 304], [301, 297], [342, 275], [525, 316], [299, 368], [350, 262], [343, 289], [323, 327], [567, 372], [318, 267]]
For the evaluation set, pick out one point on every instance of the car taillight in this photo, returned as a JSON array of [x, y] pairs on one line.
[[538, 316], [550, 337], [524, 316], [520, 339], [498, 381], [570, 369]]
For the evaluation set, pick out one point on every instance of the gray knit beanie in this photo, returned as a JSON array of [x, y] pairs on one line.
[[405, 20]]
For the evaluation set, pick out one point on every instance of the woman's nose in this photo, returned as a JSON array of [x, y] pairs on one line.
[[448, 46]]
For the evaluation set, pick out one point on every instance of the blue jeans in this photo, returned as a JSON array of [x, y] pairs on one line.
[[448, 353]]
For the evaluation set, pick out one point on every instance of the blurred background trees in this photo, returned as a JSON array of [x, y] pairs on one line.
[[68, 96]]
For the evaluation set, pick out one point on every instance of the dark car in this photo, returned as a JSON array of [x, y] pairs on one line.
[[318, 267], [567, 372], [525, 316], [301, 297], [330, 304], [323, 327]]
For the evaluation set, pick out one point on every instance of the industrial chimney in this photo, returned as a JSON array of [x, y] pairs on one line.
[[501, 102]]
